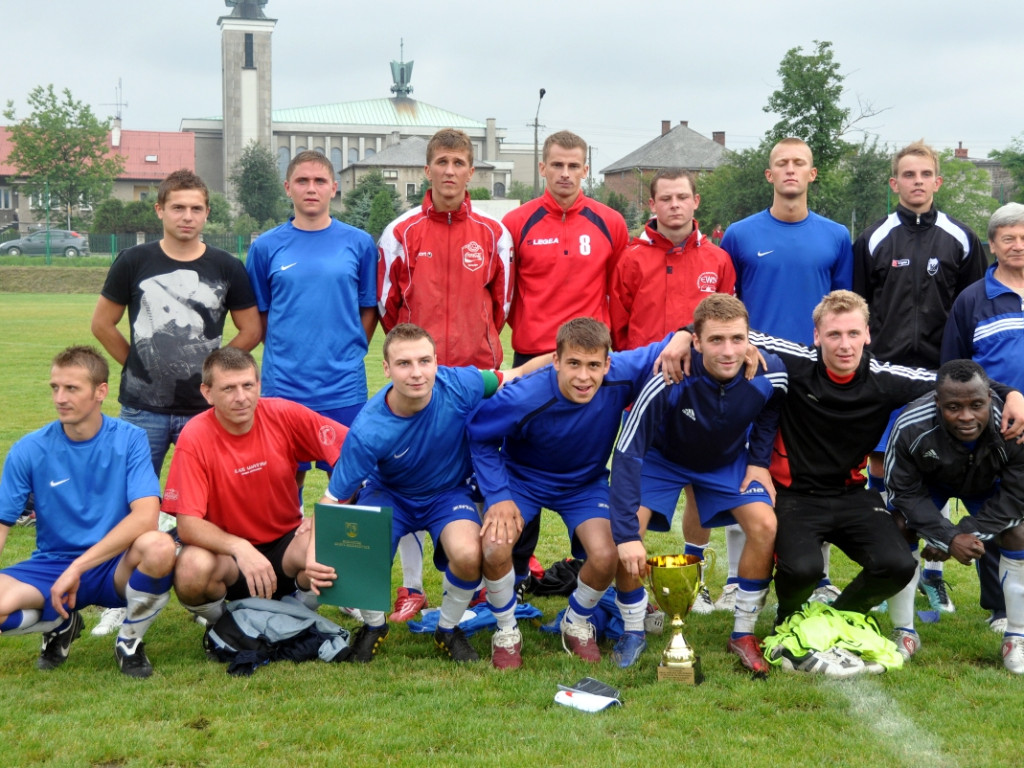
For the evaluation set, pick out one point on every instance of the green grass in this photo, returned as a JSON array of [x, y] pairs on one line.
[[410, 707]]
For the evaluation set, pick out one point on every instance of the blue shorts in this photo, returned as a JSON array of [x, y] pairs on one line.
[[341, 415], [575, 506], [96, 587], [884, 439], [717, 492], [432, 515]]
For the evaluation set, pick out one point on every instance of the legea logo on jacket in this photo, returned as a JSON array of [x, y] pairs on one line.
[[472, 256]]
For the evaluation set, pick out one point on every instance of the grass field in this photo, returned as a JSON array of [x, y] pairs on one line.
[[953, 706]]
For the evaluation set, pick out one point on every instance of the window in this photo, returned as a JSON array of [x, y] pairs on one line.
[[390, 174], [410, 190], [5, 199], [353, 155], [370, 152], [248, 52], [336, 161], [320, 150], [282, 161], [499, 189]]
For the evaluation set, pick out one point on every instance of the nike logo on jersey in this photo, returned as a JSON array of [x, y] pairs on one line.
[[764, 253], [288, 266], [400, 455], [55, 483]]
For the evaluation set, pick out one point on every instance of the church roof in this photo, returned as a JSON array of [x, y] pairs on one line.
[[398, 112]]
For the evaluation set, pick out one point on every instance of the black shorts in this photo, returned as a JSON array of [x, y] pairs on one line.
[[274, 552]]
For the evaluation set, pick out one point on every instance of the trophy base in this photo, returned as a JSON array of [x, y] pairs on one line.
[[689, 675]]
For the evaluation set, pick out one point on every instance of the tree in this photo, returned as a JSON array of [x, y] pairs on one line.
[[807, 103], [517, 190], [62, 149], [382, 213], [220, 210], [1012, 160], [416, 198], [108, 216], [359, 200], [479, 193], [966, 193], [736, 189], [257, 184]]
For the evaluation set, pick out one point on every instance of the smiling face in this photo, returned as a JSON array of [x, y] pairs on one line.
[[449, 172], [964, 407], [183, 214], [916, 182], [564, 171], [78, 401], [580, 372], [791, 169], [842, 336], [233, 395], [723, 343], [412, 368], [311, 187]]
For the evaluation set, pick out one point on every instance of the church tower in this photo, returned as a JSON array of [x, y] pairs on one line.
[[245, 73]]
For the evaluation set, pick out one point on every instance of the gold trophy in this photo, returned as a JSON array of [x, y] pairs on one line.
[[675, 581]]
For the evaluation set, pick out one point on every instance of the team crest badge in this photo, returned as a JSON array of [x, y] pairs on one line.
[[351, 530], [933, 267], [472, 256], [327, 435], [707, 282]]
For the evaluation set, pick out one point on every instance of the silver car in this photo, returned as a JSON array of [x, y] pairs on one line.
[[62, 241]]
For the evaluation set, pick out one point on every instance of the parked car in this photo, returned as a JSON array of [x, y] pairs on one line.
[[62, 241]]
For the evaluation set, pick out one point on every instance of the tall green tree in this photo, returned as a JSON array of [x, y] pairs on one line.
[[808, 104], [382, 213], [359, 200], [517, 190], [257, 184], [736, 189], [1012, 160], [966, 193], [62, 149]]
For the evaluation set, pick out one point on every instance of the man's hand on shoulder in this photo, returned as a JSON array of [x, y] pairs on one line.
[[674, 361]]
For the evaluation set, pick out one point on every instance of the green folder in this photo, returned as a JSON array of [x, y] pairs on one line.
[[356, 542]]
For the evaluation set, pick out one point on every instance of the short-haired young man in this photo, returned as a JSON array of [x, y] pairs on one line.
[[409, 444], [713, 432], [545, 442], [665, 273], [910, 267], [986, 324], [448, 269], [838, 404], [566, 247], [945, 445], [315, 281], [178, 292], [232, 487], [97, 500]]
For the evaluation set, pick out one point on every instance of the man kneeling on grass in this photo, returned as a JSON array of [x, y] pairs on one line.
[[97, 501], [945, 445]]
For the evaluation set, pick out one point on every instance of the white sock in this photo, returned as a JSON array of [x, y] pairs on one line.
[[735, 540], [26, 622], [455, 600], [146, 597], [901, 605], [748, 608], [410, 551], [633, 609], [210, 611], [373, 618], [582, 603], [826, 558], [1011, 576], [306, 597], [938, 565], [501, 597]]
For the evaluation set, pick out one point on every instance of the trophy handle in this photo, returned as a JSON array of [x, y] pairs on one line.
[[707, 564]]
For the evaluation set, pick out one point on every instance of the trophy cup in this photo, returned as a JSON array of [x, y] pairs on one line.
[[675, 581]]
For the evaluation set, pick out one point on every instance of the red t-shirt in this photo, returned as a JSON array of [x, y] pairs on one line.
[[245, 484]]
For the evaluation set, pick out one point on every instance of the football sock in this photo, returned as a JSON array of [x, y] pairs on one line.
[[306, 597], [826, 557], [146, 596], [697, 550], [454, 600], [632, 605], [210, 611], [735, 540], [410, 551], [1011, 576], [26, 622], [750, 599], [501, 597], [374, 618], [901, 605], [934, 569], [582, 602]]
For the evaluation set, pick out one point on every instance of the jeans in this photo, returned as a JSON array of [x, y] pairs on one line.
[[162, 429]]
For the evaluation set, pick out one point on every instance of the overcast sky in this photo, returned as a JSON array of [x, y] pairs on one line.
[[943, 70]]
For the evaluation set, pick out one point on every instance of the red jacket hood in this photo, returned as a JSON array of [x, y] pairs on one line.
[[460, 213]]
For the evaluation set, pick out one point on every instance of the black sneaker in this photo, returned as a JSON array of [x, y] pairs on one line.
[[367, 641], [57, 643], [456, 645], [131, 658]]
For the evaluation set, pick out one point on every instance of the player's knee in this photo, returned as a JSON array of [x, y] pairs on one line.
[[193, 570], [496, 552], [761, 526], [464, 556], [157, 551], [800, 571]]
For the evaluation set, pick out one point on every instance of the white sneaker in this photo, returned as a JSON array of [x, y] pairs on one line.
[[727, 600], [997, 625], [110, 621], [1013, 653], [834, 662], [703, 602], [907, 642], [826, 594]]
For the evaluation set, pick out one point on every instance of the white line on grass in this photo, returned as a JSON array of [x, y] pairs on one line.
[[911, 745]]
